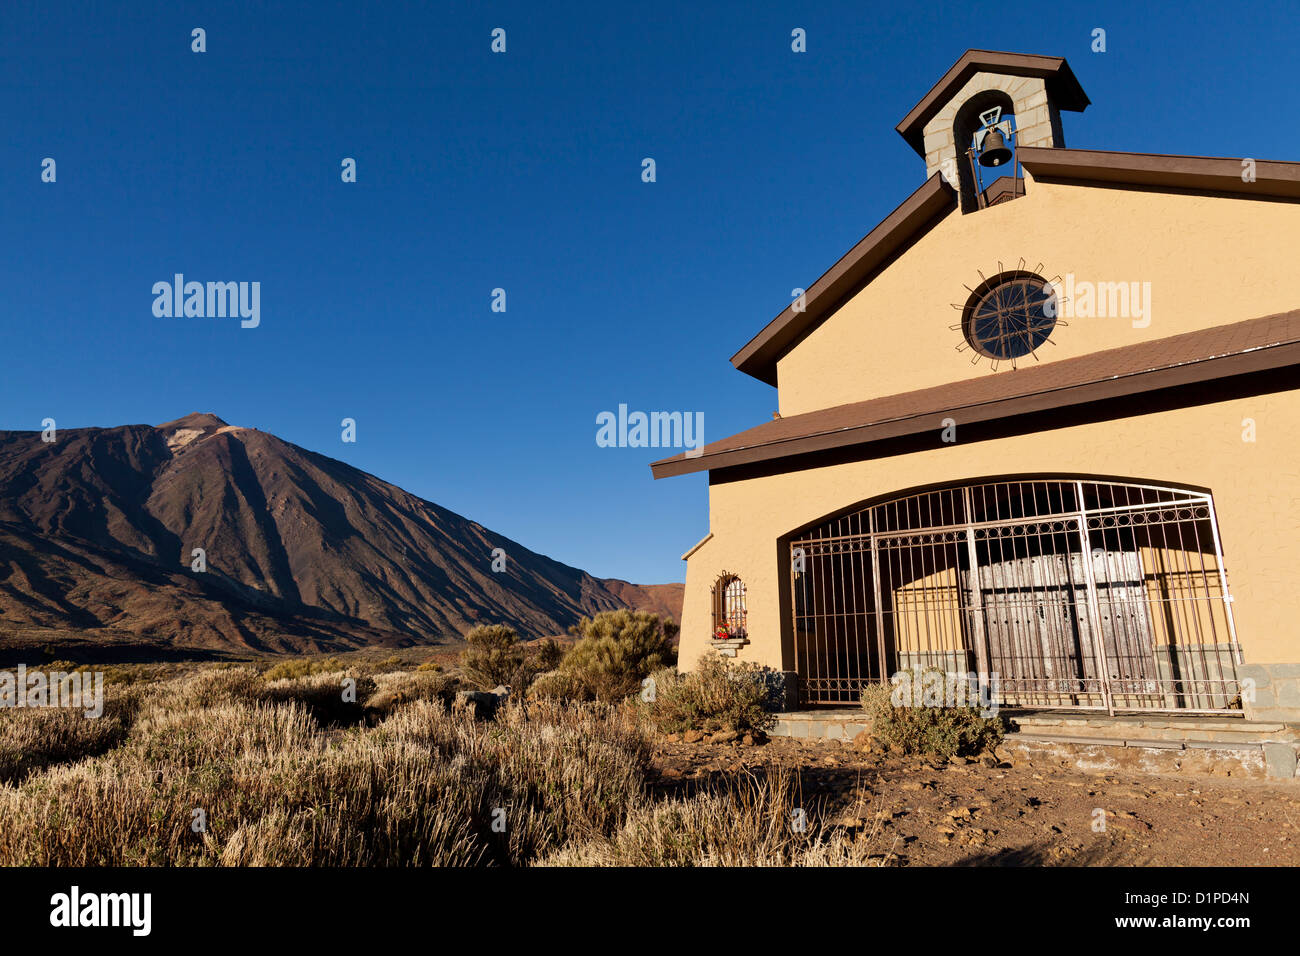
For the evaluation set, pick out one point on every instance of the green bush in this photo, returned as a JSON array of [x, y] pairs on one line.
[[494, 656], [617, 650], [714, 696], [549, 654], [301, 667], [945, 731]]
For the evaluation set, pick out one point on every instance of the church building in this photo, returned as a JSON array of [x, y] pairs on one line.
[[1040, 426]]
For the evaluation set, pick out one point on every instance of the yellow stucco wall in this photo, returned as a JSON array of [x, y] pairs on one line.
[[1256, 488], [1210, 261]]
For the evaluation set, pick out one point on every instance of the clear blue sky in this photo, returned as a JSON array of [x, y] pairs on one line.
[[520, 171]]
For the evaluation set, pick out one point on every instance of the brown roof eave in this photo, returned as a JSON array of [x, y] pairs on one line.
[[1199, 174], [1274, 356], [914, 216]]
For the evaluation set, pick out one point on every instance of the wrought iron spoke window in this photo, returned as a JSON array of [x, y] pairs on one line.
[[1010, 315], [1062, 593]]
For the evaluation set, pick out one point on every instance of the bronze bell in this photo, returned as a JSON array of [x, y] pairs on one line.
[[993, 151]]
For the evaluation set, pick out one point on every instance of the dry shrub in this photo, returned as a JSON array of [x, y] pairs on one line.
[[225, 732], [363, 805], [325, 694], [207, 688], [558, 685], [404, 687], [752, 822], [431, 835], [559, 772], [32, 740], [714, 696], [338, 697], [36, 738], [940, 731], [423, 787]]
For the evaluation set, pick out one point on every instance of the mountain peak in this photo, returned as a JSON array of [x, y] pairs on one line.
[[303, 552], [194, 420], [182, 431]]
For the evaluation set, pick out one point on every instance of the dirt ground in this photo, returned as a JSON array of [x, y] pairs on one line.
[[1033, 811]]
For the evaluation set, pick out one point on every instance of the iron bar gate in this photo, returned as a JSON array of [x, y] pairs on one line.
[[1071, 593]]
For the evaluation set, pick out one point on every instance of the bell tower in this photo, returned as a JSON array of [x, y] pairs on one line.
[[986, 103]]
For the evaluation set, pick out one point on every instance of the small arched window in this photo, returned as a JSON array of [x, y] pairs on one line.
[[729, 612]]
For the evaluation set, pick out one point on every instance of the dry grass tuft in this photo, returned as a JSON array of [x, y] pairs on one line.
[[753, 822], [287, 772], [404, 687]]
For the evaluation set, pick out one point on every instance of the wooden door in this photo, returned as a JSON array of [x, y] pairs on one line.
[[1031, 607]]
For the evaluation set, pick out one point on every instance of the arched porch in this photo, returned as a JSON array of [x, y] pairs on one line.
[[1069, 592]]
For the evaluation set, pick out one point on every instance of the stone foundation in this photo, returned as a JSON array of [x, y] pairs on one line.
[[1276, 691]]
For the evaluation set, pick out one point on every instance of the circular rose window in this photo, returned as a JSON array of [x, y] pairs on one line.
[[1010, 315]]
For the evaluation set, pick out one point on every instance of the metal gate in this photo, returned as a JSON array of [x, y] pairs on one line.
[[1053, 593]]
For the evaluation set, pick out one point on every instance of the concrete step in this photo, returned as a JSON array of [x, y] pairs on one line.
[[1154, 731], [821, 724], [1155, 743], [1269, 760], [1189, 729], [1126, 720]]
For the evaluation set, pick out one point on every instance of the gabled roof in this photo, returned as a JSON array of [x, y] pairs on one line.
[[1270, 342], [929, 205], [915, 217], [1062, 87]]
